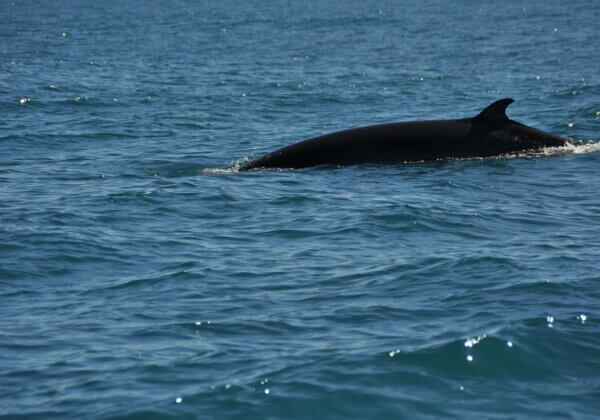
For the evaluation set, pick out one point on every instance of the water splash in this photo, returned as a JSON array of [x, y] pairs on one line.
[[575, 148], [217, 171]]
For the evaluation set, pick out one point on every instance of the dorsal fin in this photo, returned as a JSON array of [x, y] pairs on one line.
[[496, 112]]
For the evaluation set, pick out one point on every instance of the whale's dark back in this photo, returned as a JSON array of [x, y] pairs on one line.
[[488, 134], [385, 144]]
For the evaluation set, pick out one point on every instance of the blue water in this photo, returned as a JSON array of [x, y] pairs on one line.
[[142, 276]]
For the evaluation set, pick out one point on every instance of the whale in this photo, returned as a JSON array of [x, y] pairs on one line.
[[489, 133]]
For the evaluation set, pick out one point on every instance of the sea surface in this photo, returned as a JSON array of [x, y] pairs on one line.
[[143, 277]]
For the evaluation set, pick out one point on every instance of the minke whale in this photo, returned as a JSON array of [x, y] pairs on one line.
[[489, 133]]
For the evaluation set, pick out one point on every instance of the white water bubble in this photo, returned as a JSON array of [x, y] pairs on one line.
[[267, 391], [509, 343], [469, 358], [470, 342], [178, 400]]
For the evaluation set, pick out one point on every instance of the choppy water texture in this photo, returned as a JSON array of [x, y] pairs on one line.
[[141, 280]]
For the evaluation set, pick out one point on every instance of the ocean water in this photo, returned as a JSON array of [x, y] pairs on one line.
[[142, 276]]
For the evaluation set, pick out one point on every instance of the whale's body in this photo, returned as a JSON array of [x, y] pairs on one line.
[[490, 133]]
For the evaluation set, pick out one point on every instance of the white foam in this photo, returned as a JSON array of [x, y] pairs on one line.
[[235, 167], [588, 147], [213, 171], [568, 149]]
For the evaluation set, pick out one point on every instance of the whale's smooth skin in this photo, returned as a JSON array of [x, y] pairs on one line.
[[490, 133]]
